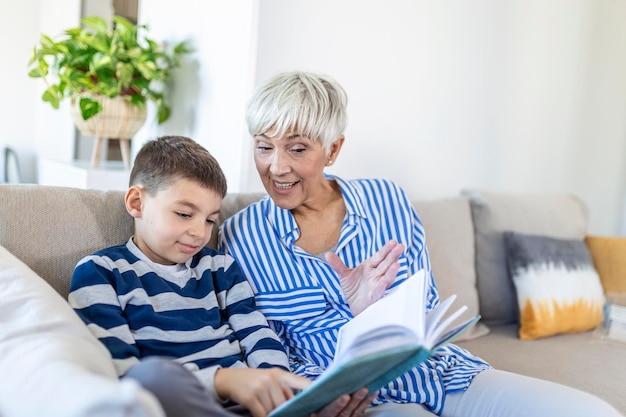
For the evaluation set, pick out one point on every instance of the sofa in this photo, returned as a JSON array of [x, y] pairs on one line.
[[49, 361]]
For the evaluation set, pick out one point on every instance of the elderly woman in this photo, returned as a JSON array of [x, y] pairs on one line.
[[318, 249]]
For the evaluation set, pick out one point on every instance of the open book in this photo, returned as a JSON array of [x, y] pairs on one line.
[[386, 340]]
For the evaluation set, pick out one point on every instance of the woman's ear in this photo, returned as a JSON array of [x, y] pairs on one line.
[[133, 199], [335, 147]]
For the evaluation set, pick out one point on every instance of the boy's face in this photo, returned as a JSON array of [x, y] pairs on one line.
[[174, 224]]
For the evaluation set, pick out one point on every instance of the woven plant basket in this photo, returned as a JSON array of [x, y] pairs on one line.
[[118, 119]]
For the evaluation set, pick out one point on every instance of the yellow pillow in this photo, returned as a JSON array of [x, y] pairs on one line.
[[609, 258]]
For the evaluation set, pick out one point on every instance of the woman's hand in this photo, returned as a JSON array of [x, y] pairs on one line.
[[367, 282], [258, 390], [348, 405]]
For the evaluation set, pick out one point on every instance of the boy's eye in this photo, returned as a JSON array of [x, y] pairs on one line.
[[183, 215], [211, 221]]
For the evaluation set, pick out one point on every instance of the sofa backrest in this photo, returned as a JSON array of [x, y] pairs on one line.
[[51, 228]]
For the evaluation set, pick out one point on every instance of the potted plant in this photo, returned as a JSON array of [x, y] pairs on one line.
[[108, 74]]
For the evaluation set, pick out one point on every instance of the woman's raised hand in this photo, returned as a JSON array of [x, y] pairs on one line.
[[367, 282]]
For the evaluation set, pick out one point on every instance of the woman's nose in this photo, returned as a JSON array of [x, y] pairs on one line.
[[278, 164]]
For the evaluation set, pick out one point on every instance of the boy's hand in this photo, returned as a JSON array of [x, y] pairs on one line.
[[259, 390]]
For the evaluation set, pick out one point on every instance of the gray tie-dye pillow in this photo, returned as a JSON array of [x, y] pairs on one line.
[[558, 289]]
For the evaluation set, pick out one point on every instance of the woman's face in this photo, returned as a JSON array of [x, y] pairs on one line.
[[291, 167]]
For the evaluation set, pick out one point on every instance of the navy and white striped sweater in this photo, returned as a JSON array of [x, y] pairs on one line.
[[202, 313]]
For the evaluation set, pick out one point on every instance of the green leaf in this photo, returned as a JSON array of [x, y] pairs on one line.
[[125, 73], [96, 23], [39, 69], [181, 48], [51, 95], [134, 53], [79, 79], [46, 42], [101, 61], [164, 113], [74, 32], [35, 73], [147, 69], [138, 100], [124, 23], [89, 107]]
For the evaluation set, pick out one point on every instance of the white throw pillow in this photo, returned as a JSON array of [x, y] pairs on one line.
[[50, 363]]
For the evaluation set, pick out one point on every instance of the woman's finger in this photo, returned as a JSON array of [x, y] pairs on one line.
[[381, 255], [336, 264], [355, 407], [391, 259]]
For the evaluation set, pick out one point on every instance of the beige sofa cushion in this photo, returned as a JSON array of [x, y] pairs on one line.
[[552, 215], [60, 226], [450, 242]]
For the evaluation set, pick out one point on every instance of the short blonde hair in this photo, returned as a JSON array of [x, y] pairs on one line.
[[314, 104]]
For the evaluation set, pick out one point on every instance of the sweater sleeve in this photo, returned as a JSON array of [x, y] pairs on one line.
[[94, 298]]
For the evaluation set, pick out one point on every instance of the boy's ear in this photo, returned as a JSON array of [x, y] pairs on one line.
[[134, 200]]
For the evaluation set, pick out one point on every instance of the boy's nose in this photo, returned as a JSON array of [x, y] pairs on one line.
[[198, 229]]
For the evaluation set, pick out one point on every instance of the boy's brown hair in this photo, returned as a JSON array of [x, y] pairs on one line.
[[163, 160]]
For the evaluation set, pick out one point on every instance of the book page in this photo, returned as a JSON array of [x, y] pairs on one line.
[[403, 306], [436, 324]]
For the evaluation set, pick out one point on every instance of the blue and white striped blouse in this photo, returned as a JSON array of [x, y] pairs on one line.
[[201, 313], [301, 295]]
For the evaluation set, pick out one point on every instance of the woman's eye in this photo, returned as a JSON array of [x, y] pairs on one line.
[[298, 150], [262, 145], [211, 221], [183, 215]]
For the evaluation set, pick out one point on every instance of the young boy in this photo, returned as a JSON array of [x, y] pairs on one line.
[[165, 296]]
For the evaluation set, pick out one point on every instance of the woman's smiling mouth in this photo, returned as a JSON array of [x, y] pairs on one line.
[[284, 185]]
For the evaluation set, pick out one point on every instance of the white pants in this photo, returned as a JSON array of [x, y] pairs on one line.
[[495, 393]]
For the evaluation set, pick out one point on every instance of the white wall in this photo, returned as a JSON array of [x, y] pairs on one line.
[[520, 96], [30, 126], [213, 84], [20, 23]]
